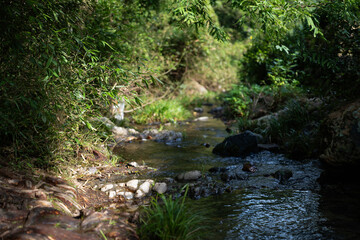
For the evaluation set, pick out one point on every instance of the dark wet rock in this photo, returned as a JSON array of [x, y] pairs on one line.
[[240, 145], [189, 176], [198, 110], [207, 145], [248, 167], [283, 175], [271, 147], [206, 190], [217, 169], [234, 174], [208, 104], [342, 136], [217, 111]]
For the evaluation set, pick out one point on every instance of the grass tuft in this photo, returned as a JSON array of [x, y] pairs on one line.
[[169, 219], [162, 111]]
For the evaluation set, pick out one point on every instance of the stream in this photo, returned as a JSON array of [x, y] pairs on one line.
[[256, 208]]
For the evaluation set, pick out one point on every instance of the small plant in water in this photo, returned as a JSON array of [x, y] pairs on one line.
[[169, 219]]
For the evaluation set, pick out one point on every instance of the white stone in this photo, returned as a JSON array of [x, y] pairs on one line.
[[121, 184], [132, 185], [112, 194], [107, 187], [150, 181], [145, 187], [202, 119], [133, 164], [129, 195], [160, 187], [139, 194], [119, 131]]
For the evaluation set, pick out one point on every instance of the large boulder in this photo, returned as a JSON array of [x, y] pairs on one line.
[[342, 136], [240, 145]]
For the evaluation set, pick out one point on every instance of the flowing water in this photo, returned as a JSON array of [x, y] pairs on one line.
[[257, 208]]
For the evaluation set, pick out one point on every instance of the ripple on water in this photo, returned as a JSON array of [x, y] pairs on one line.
[[270, 214], [264, 214]]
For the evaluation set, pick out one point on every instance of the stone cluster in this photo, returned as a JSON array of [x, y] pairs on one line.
[[134, 188]]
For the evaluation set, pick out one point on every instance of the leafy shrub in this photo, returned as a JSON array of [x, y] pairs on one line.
[[241, 99], [169, 219], [296, 130], [327, 63], [65, 61], [331, 63]]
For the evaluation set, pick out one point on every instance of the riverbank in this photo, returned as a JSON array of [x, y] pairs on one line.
[[101, 198]]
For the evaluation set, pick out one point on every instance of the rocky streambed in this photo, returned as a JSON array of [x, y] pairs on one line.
[[256, 195]]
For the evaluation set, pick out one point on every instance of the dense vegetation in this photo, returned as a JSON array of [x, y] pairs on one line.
[[65, 61]]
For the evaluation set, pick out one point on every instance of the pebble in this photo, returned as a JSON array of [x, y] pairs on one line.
[[189, 176], [202, 119], [126, 195], [107, 187], [28, 184], [133, 164], [150, 181], [160, 187], [132, 185], [139, 194], [198, 110], [145, 187], [112, 194]]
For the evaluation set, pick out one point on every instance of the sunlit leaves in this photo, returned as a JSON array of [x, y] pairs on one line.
[[196, 13], [277, 17]]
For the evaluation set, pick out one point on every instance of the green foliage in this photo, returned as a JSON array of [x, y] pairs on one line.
[[277, 17], [64, 62], [197, 13], [327, 63], [162, 111], [296, 130], [229, 17], [331, 63], [169, 219], [241, 99], [217, 66]]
